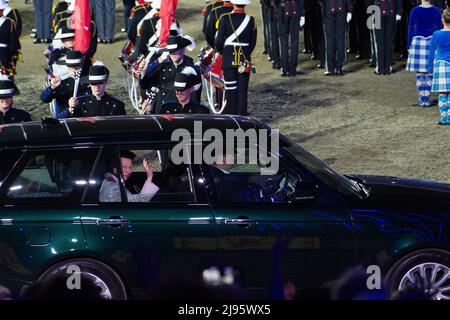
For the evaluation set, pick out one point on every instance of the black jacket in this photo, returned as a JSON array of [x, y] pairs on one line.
[[211, 25], [388, 7], [174, 107], [9, 42], [14, 115], [138, 13], [63, 93], [162, 77], [291, 7], [145, 32], [234, 54], [91, 107], [333, 7]]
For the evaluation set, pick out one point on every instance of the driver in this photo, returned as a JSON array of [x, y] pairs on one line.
[[110, 189]]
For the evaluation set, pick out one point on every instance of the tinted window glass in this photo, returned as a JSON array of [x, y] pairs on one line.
[[243, 182], [52, 175]]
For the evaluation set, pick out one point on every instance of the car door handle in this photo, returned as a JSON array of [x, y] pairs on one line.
[[113, 221], [240, 221]]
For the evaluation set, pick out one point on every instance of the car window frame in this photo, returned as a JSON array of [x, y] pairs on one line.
[[149, 204], [19, 167], [215, 198]]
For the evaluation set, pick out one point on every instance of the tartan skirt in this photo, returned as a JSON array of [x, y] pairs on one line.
[[441, 76], [418, 54]]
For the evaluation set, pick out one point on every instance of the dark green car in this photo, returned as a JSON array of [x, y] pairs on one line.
[[69, 198]]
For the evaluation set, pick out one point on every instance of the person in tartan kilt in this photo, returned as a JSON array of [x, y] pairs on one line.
[[439, 64], [423, 21]]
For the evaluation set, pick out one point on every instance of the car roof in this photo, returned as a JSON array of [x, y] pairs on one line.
[[114, 129]]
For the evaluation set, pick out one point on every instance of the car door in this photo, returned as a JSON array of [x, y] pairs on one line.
[[171, 234], [40, 210], [253, 216]]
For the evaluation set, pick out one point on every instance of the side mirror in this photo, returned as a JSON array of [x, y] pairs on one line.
[[305, 192]]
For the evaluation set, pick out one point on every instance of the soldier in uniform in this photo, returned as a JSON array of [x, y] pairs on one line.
[[391, 12], [63, 90], [99, 103], [89, 55], [317, 33], [147, 30], [236, 40], [274, 45], [185, 84], [213, 21], [359, 37], [161, 72], [265, 12], [210, 5], [336, 15], [9, 114], [9, 43], [291, 17], [137, 14], [14, 15]]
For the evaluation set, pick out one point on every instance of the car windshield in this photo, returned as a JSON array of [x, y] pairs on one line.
[[320, 169]]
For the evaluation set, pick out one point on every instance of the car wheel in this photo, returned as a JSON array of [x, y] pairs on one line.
[[431, 265], [112, 287]]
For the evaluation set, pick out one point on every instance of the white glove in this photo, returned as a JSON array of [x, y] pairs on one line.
[[349, 17], [163, 57], [302, 22], [398, 17]]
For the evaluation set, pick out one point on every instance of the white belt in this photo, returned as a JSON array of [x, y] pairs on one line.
[[237, 44], [3, 45]]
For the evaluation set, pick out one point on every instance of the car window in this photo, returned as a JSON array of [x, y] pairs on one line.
[[60, 175], [239, 181], [141, 175]]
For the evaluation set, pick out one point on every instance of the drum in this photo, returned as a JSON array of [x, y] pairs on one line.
[[127, 56]]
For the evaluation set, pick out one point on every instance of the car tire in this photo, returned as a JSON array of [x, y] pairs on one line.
[[432, 264], [112, 285]]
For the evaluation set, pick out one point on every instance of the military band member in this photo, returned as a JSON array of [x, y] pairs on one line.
[[9, 114], [213, 20], [359, 36], [14, 15], [9, 42], [391, 12], [236, 40], [147, 30], [265, 12], [63, 23], [63, 90], [99, 103], [274, 43], [336, 15], [291, 17], [185, 84], [317, 33], [161, 72], [210, 5], [137, 14]]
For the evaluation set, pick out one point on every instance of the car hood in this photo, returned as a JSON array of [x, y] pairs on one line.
[[406, 191]]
